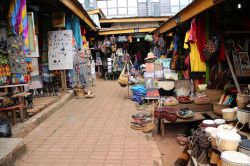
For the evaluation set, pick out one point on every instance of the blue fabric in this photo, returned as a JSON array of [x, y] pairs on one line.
[[73, 23], [139, 93], [176, 40]]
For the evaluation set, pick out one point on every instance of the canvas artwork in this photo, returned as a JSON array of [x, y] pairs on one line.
[[35, 67], [31, 32], [34, 54], [60, 52], [16, 54]]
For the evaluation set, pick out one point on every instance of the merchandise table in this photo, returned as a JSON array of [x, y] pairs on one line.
[[198, 109]]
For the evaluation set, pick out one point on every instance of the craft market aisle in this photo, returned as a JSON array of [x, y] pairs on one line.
[[91, 132]]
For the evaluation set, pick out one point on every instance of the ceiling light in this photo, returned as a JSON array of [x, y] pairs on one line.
[[239, 6], [138, 39]]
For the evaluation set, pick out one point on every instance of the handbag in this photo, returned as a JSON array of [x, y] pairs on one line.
[[123, 78], [211, 48]]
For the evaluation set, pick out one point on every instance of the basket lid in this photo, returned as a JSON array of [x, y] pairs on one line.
[[228, 135], [219, 121], [235, 158], [227, 127], [208, 122], [245, 144], [227, 110]]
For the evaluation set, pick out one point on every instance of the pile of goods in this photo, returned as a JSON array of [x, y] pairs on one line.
[[185, 99], [144, 120], [138, 93], [222, 142], [185, 113]]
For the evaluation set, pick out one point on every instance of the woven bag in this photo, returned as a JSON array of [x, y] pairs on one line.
[[211, 48], [123, 78]]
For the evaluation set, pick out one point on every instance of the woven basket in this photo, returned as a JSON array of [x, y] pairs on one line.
[[123, 78], [229, 114], [242, 100], [230, 158], [214, 94], [79, 92], [202, 101], [243, 116], [227, 144], [217, 108]]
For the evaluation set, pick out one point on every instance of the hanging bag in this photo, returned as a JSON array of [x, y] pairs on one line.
[[123, 78], [211, 48]]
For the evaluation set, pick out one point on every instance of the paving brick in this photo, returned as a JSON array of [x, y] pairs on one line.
[[94, 132]]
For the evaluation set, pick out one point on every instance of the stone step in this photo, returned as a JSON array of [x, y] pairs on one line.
[[10, 150]]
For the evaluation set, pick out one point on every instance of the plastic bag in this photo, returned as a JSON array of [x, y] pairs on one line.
[[5, 129]]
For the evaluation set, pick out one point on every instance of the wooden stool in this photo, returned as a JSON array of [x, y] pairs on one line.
[[22, 111]]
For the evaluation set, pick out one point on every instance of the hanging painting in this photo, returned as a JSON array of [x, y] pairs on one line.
[[35, 67], [60, 50], [35, 53], [15, 47], [31, 32]]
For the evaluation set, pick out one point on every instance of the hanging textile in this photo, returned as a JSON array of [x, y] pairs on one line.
[[73, 23], [201, 35], [19, 21], [195, 59]]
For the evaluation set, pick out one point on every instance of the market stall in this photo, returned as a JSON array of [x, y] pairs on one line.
[[191, 75], [44, 50]]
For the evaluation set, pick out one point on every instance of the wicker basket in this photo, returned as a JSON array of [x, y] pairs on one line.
[[243, 116], [229, 114], [227, 140], [182, 87], [242, 100], [217, 108], [230, 158], [214, 94]]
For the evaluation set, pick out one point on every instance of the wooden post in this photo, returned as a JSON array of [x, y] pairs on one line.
[[232, 72], [63, 81]]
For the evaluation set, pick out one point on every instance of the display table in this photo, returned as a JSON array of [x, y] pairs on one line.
[[198, 109]]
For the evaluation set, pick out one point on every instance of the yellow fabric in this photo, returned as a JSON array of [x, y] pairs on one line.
[[195, 59], [186, 40]]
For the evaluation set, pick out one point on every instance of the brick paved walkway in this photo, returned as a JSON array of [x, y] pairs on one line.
[[91, 132]]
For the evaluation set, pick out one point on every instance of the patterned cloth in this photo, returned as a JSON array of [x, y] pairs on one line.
[[19, 20], [73, 23]]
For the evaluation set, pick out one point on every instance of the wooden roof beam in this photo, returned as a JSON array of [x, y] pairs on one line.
[[124, 31], [187, 13], [138, 19]]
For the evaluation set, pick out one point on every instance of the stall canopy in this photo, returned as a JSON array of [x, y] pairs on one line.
[[196, 7], [130, 25]]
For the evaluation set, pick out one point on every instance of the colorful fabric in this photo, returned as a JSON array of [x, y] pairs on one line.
[[19, 20], [73, 23], [195, 59]]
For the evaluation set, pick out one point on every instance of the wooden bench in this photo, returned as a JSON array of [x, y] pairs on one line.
[[13, 109]]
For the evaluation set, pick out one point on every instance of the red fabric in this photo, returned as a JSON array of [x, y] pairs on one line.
[[221, 56], [192, 37], [201, 35], [83, 31]]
